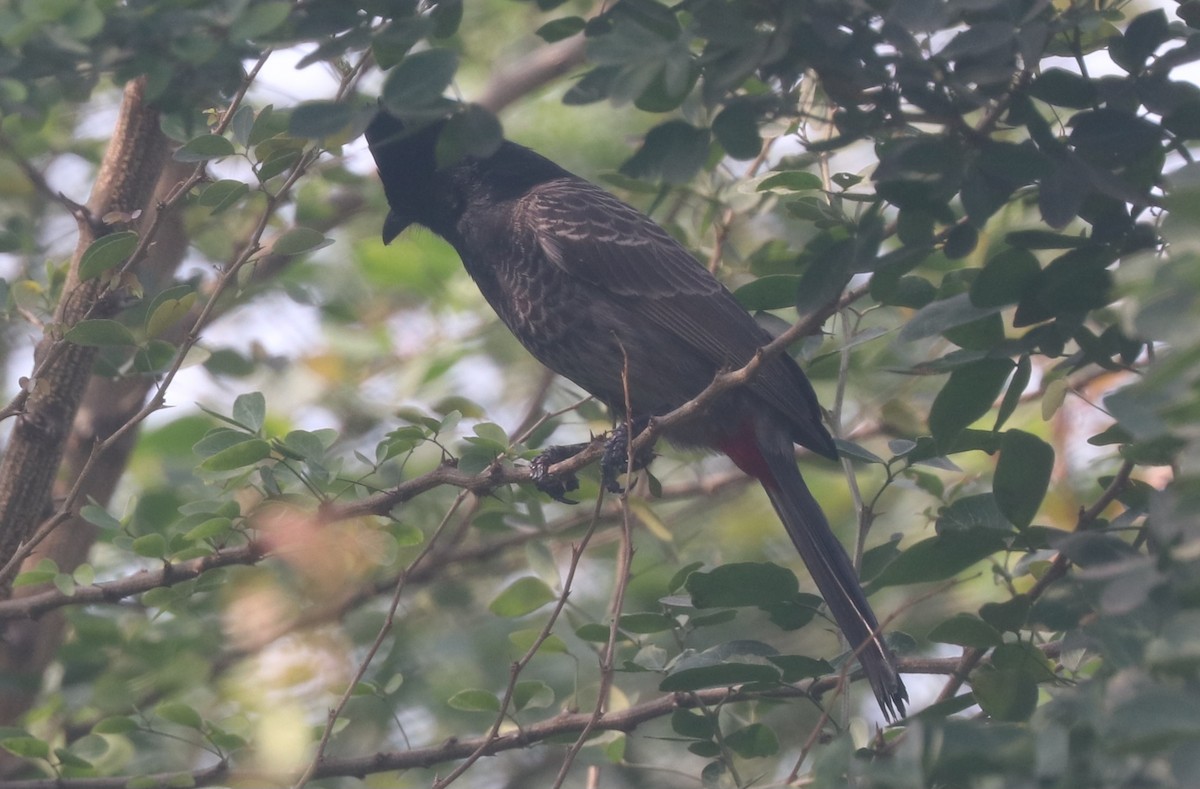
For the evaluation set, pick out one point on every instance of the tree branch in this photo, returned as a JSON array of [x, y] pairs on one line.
[[454, 749]]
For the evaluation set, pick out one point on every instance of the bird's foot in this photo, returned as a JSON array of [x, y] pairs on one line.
[[556, 486], [615, 460]]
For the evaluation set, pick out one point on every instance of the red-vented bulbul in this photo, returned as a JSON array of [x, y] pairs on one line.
[[591, 286]]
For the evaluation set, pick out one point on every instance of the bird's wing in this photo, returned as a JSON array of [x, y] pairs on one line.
[[594, 236]]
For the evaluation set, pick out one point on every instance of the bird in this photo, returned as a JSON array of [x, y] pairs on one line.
[[600, 294]]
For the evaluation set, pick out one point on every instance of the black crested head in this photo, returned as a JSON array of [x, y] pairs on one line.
[[407, 163], [420, 192]]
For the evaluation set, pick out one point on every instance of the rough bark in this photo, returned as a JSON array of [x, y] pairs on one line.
[[31, 461], [69, 410]]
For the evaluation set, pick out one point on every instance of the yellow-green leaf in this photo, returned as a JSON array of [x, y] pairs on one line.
[[523, 596], [168, 313]]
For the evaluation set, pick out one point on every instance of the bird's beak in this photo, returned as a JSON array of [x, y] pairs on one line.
[[393, 226]]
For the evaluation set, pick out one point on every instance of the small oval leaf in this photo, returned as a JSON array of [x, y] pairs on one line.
[[240, 455], [204, 148], [100, 332], [521, 597], [106, 252], [180, 713], [1022, 476], [474, 700], [299, 240], [168, 313], [418, 81]]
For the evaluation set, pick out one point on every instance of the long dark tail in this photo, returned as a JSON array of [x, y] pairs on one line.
[[826, 560]]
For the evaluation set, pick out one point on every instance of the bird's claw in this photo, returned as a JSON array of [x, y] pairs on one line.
[[615, 460], [556, 486]]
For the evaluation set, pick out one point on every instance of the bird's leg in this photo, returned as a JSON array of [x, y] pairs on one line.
[[556, 486], [615, 461]]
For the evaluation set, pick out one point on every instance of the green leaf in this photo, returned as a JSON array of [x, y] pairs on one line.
[[100, 332], [976, 512], [718, 676], [770, 292], [714, 775], [794, 613], [418, 82], [1044, 239], [299, 240], [967, 395], [316, 120], [523, 596], [646, 623], [390, 45], [798, 667], [938, 558], [167, 313], [1146, 33], [98, 516], [681, 576], [65, 584], [960, 241], [791, 181], [532, 695], [693, 725], [250, 411], [474, 131], [594, 632], [240, 455], [26, 747], [754, 741], [34, 577], [218, 439], [736, 128], [107, 252], [116, 724], [1005, 695], [154, 357], [1009, 616], [672, 152], [209, 529], [524, 639], [446, 16], [303, 444], [742, 584], [1073, 283], [1022, 476], [1064, 89], [938, 316], [204, 148], [1016, 388], [966, 630], [84, 575], [261, 18], [179, 713], [558, 29], [152, 546], [855, 451], [474, 700], [1005, 278]]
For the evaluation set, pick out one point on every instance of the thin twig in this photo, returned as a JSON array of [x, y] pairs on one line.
[[384, 630], [620, 584]]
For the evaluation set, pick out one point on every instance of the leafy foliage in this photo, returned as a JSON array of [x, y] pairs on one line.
[[995, 199]]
